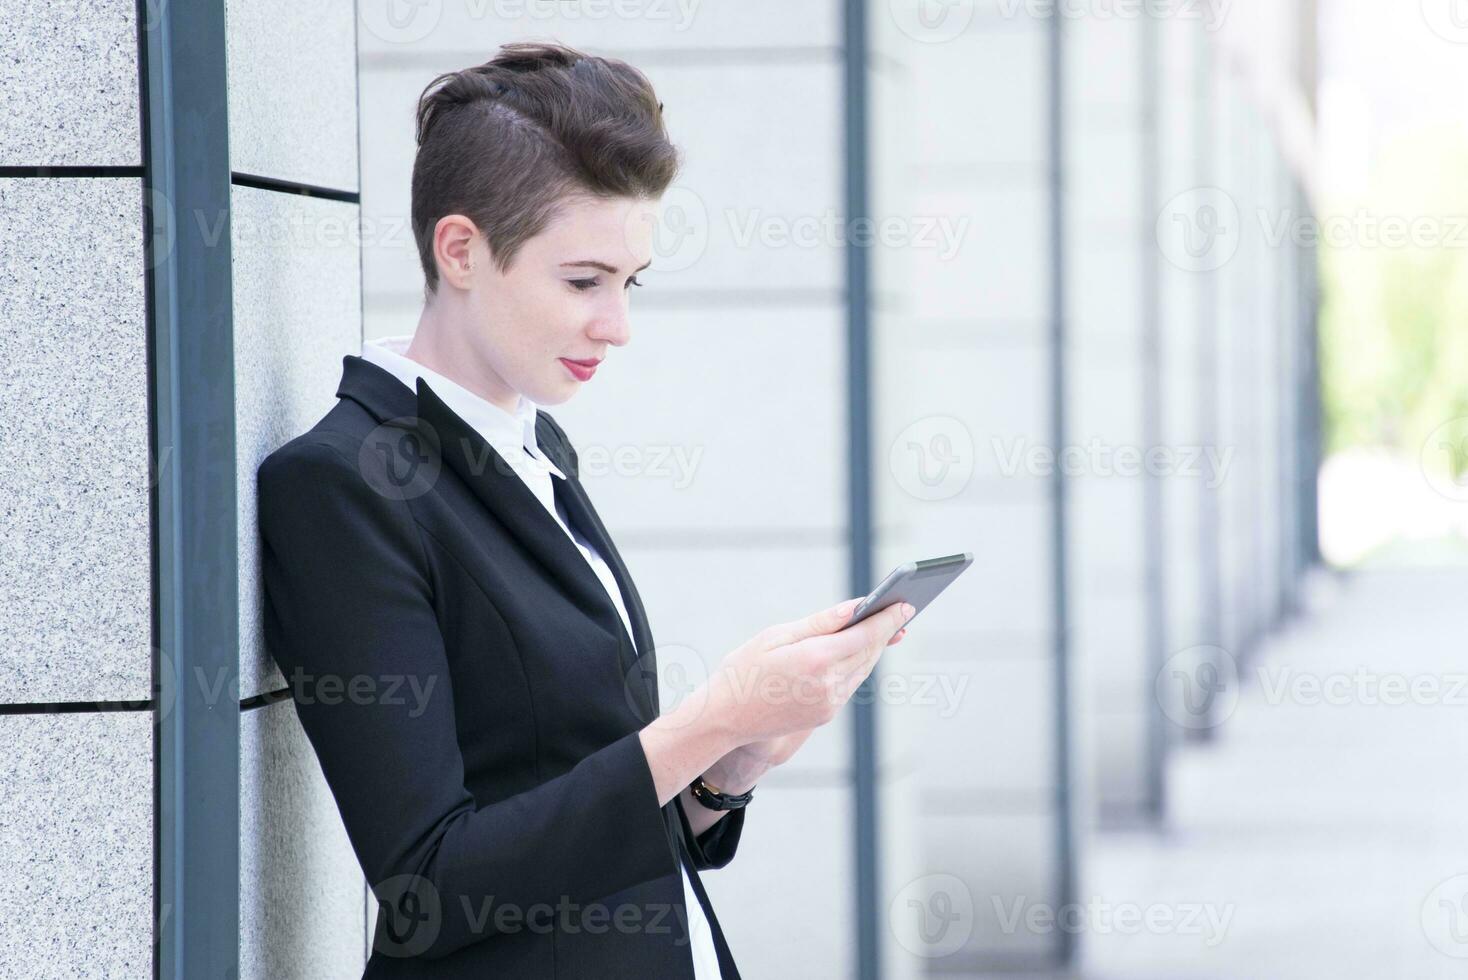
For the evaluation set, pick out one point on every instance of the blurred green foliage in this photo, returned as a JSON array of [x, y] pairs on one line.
[[1394, 319]]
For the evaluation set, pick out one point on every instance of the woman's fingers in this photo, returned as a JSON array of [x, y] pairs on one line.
[[852, 675], [852, 668], [827, 620], [871, 635], [819, 649]]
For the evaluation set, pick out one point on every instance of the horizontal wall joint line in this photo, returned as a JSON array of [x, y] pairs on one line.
[[294, 187]]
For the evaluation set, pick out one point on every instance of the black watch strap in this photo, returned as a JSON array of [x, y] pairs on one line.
[[714, 800]]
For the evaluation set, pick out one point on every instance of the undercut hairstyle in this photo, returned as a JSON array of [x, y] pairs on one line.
[[508, 142]]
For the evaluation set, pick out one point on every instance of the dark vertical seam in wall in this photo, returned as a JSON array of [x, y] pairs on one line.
[[1065, 884], [1210, 599], [1152, 495], [1311, 428], [867, 921], [1313, 434], [154, 473], [1257, 311], [1287, 522]]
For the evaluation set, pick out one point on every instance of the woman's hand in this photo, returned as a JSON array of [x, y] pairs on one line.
[[794, 677], [765, 699], [740, 769]]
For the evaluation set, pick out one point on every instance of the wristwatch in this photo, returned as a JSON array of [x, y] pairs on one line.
[[710, 796]]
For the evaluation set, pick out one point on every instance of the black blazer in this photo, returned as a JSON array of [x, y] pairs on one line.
[[473, 699]]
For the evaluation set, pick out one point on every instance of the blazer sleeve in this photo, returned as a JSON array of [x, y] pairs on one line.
[[349, 596], [715, 847]]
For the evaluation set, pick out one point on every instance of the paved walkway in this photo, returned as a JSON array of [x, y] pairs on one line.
[[1323, 828]]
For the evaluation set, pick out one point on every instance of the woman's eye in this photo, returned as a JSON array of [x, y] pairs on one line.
[[585, 284]]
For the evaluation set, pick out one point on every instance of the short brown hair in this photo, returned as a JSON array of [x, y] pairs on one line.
[[506, 142]]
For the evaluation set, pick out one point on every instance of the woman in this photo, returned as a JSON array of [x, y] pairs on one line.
[[467, 653]]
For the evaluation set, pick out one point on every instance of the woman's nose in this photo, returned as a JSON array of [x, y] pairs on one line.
[[615, 328]]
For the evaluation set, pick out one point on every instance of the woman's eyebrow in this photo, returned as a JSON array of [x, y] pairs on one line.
[[604, 267]]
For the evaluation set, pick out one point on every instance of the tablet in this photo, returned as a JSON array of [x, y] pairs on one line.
[[914, 582]]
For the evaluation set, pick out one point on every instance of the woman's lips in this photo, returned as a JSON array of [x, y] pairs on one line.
[[580, 370]]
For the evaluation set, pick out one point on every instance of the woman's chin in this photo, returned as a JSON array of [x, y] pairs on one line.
[[555, 394]]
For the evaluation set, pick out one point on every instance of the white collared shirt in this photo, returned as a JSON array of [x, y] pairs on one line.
[[513, 438]]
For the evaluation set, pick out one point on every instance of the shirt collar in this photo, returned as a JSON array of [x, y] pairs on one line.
[[507, 432]]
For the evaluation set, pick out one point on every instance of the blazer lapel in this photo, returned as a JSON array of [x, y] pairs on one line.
[[506, 496], [639, 665], [510, 501]]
